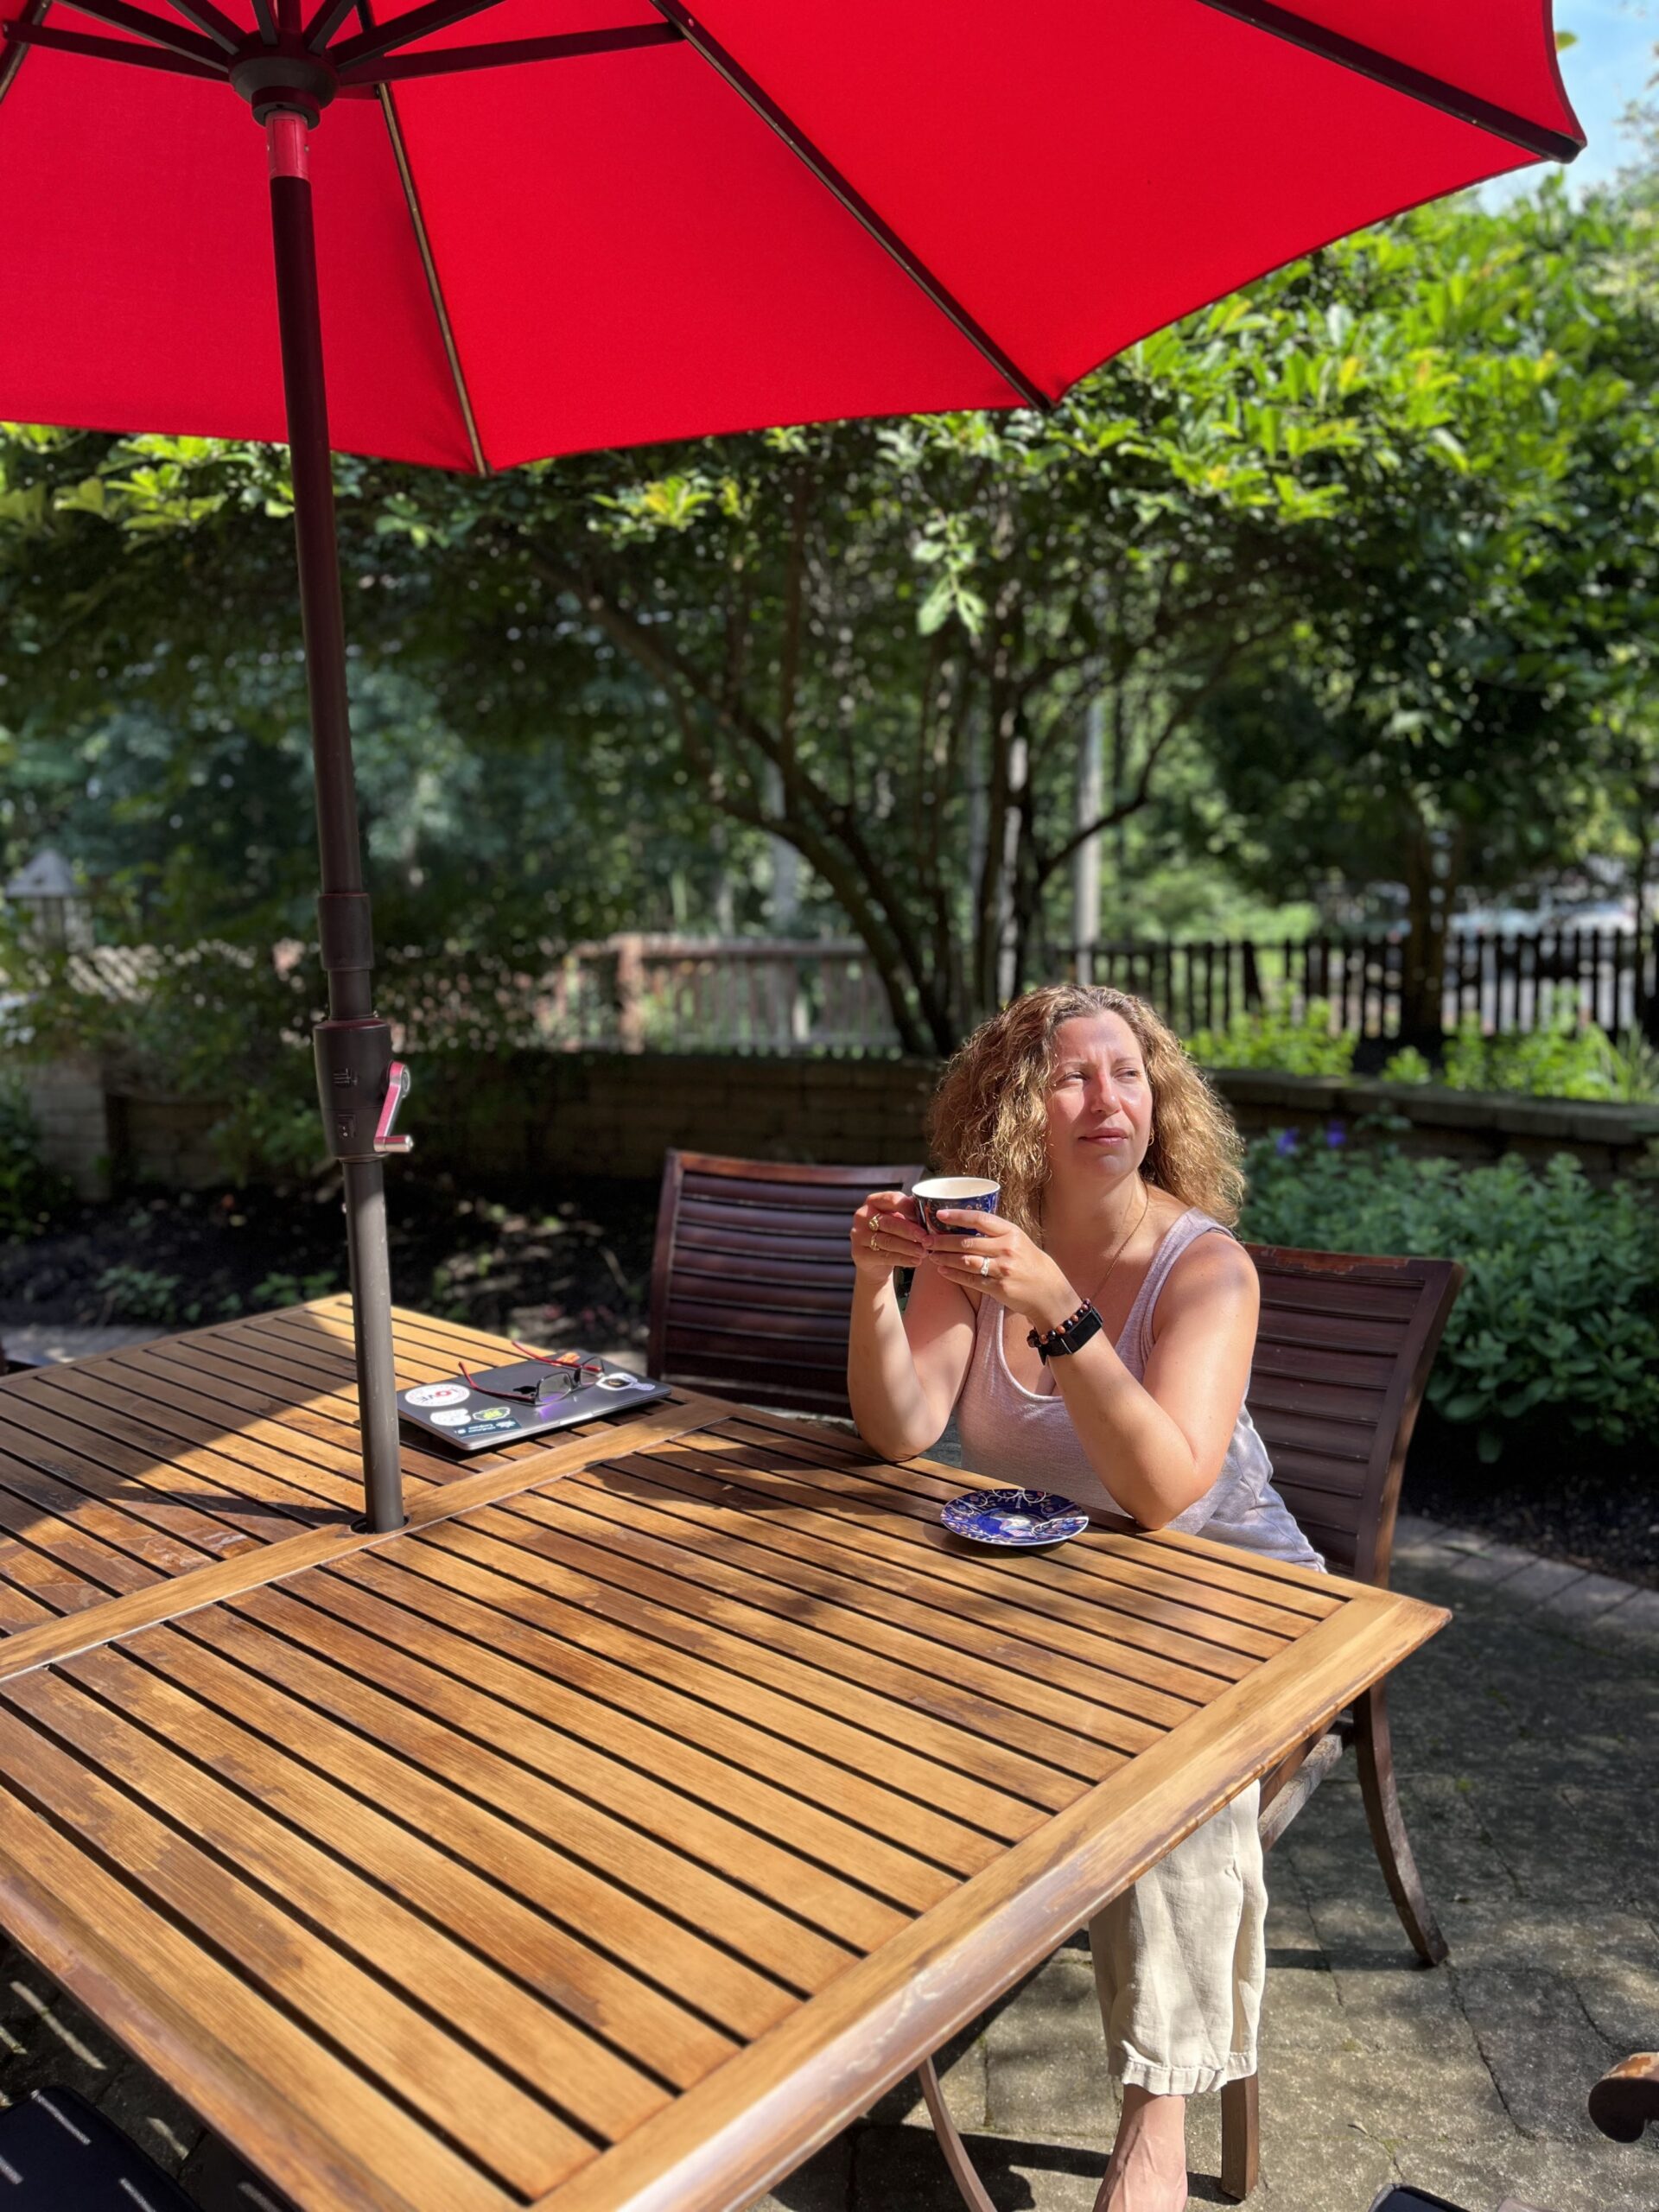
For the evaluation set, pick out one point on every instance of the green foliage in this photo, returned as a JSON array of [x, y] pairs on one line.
[[264, 1138], [147, 1294], [1407, 1065], [283, 1289], [1560, 1312], [1562, 1058], [1359, 565], [1308, 1042], [30, 1192], [139, 1294], [132, 1294]]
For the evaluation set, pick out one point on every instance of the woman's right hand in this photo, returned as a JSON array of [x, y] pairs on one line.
[[887, 1233]]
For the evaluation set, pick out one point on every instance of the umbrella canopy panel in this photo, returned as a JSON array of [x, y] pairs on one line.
[[618, 247]]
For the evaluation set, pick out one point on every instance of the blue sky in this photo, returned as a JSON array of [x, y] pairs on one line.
[[1605, 70]]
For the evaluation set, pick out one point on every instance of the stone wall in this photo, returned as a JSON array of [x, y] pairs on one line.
[[543, 1115], [1467, 1125], [615, 1113]]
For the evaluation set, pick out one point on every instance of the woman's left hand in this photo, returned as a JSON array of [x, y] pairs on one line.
[[1005, 1264]]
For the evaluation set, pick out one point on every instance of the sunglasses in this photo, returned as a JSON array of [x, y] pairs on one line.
[[567, 1373]]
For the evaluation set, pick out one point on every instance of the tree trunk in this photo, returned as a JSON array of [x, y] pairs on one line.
[[1432, 872]]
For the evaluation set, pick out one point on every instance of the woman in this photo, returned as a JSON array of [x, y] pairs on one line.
[[1094, 1337]]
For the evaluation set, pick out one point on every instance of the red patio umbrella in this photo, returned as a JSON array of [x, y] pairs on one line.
[[582, 223]]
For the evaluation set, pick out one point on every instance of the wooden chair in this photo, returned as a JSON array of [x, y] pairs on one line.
[[750, 1285], [1342, 1355], [1626, 2100]]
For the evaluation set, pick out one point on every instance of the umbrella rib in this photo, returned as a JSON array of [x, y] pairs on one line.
[[1399, 76], [156, 28], [219, 26], [440, 306], [857, 207], [403, 30], [557, 47], [31, 14], [327, 21], [21, 35]]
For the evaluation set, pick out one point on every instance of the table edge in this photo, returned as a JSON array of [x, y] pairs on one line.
[[723, 2143]]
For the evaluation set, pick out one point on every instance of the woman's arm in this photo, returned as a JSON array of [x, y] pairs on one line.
[[1156, 1445], [903, 1371]]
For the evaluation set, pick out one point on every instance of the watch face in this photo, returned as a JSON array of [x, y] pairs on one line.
[[1077, 1333]]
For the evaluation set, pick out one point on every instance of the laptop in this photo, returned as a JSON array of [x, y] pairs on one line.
[[497, 1406]]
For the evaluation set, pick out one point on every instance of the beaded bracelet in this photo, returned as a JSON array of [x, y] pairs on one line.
[[1047, 1342]]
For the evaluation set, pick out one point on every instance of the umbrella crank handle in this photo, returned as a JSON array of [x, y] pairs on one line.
[[397, 1091]]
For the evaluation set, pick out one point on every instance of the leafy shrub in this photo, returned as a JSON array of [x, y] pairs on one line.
[[1407, 1065], [30, 1192], [1272, 1037], [1559, 1059], [270, 1136], [140, 1295], [1563, 1057], [283, 1289], [1560, 1311]]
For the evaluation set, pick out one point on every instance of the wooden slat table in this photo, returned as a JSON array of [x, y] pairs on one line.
[[624, 1827]]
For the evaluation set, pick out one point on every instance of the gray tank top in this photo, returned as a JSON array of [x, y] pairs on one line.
[[1027, 1437]]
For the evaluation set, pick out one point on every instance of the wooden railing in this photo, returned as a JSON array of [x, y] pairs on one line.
[[724, 995]]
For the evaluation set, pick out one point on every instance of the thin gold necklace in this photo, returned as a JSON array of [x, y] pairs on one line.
[[1093, 1298]]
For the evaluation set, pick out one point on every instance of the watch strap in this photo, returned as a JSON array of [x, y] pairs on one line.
[[1069, 1337]]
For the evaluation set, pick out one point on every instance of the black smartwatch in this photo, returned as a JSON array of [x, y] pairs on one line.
[[1071, 1335]]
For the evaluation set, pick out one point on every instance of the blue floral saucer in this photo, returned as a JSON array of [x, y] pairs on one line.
[[1020, 1518]]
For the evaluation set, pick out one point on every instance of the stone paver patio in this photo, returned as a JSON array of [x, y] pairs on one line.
[[1529, 1742]]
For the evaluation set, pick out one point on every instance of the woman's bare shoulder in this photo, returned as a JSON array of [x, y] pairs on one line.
[[1214, 1266]]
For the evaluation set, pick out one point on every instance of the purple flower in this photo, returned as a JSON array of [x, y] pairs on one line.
[[1336, 1136], [1286, 1142]]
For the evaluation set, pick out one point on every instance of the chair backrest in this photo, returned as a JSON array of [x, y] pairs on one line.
[[1342, 1356], [752, 1284]]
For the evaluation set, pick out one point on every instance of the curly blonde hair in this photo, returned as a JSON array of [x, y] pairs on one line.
[[989, 1114]]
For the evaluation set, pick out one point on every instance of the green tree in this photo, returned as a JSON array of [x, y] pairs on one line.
[[877, 642], [1467, 694]]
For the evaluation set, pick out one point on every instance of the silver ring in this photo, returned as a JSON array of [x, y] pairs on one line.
[[984, 1266]]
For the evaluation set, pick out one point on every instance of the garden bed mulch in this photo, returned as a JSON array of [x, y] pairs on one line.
[[571, 1266], [1569, 1498]]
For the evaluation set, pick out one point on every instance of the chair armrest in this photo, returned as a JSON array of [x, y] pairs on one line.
[[1625, 2101]]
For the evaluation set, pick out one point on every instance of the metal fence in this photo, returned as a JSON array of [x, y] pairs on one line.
[[1507, 982]]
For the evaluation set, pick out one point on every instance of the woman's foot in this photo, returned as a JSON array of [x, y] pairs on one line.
[[1147, 2171]]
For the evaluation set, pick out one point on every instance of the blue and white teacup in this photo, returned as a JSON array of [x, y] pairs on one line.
[[972, 1192]]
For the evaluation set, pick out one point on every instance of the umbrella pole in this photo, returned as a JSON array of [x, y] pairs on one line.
[[359, 1082]]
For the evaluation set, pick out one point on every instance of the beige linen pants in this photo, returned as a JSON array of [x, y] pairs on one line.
[[1179, 1960]]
